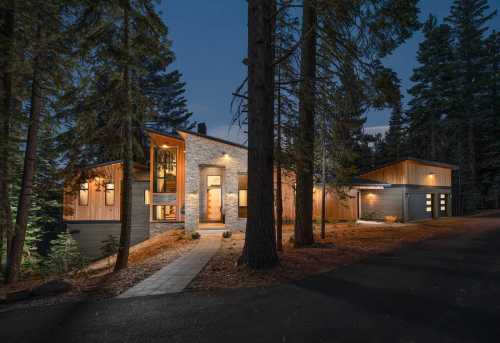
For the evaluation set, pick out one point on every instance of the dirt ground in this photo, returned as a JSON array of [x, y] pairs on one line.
[[97, 278], [343, 245]]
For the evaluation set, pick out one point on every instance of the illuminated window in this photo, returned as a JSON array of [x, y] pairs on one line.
[[442, 196], [428, 202], [110, 194], [164, 212], [146, 196], [443, 202], [165, 170], [242, 196], [213, 180], [83, 197], [443, 208]]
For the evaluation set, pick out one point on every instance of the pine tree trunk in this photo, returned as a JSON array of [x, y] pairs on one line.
[[5, 113], [126, 201], [279, 188], [305, 146], [23, 207], [259, 250], [323, 189]]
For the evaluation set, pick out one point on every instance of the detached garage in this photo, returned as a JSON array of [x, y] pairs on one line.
[[410, 189]]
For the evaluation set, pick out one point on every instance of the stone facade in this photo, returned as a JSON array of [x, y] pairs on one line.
[[155, 228], [204, 152]]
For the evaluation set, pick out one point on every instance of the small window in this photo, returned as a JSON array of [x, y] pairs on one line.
[[164, 212], [428, 196], [146, 197], [442, 196], [443, 208], [110, 194], [429, 209], [242, 196], [428, 202], [213, 180], [83, 197]]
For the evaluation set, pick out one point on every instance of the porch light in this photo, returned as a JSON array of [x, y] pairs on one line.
[[431, 174], [164, 146], [225, 155]]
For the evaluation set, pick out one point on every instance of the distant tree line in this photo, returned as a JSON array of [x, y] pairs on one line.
[[453, 113]]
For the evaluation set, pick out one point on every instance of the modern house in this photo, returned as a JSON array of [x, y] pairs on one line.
[[197, 181]]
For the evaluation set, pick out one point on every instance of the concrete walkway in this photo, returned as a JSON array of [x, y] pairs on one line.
[[174, 277]]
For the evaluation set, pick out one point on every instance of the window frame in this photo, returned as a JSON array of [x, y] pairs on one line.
[[164, 178], [156, 219], [84, 187], [242, 210], [106, 190]]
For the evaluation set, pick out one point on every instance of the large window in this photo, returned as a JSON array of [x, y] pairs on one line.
[[83, 195], [165, 170], [242, 196], [110, 194], [164, 212]]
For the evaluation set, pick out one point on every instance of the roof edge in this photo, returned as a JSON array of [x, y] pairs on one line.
[[216, 139]]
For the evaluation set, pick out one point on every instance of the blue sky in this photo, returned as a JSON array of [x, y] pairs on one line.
[[209, 40]]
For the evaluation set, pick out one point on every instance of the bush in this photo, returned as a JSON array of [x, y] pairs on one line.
[[227, 234], [64, 254], [31, 262], [195, 235]]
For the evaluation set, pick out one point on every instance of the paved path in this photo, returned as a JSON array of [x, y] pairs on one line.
[[175, 276]]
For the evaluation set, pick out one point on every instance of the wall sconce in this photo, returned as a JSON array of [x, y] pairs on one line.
[[164, 146], [431, 174], [225, 155]]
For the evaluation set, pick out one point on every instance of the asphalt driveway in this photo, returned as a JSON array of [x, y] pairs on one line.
[[441, 290]]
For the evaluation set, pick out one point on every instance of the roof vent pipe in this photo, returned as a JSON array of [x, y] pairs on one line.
[[202, 128]]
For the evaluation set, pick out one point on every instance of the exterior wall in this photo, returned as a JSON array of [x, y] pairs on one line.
[[90, 235], [426, 175], [202, 152], [96, 208], [382, 202], [411, 173]]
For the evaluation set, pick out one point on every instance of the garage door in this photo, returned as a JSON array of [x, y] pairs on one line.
[[419, 206]]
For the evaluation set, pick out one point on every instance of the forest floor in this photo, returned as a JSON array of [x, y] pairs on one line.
[[343, 244], [98, 280]]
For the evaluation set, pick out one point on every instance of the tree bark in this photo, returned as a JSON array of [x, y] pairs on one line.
[[126, 201], [279, 190], [8, 29], [305, 146], [23, 207], [259, 250], [323, 187]]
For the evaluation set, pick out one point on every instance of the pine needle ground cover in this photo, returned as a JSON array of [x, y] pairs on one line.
[[97, 279], [344, 244]]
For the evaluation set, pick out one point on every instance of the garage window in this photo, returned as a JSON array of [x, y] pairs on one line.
[[428, 202]]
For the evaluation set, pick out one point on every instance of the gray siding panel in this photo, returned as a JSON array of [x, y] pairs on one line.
[[382, 202], [416, 201], [90, 235]]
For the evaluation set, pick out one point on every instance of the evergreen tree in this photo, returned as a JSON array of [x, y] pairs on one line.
[[394, 139], [430, 103], [468, 21]]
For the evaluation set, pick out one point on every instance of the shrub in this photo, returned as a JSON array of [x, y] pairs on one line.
[[227, 234], [64, 254], [31, 262], [195, 235]]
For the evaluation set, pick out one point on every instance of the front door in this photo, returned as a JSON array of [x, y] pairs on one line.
[[214, 199]]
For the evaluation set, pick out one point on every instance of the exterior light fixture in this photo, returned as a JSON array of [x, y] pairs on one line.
[[432, 174], [225, 155], [164, 146]]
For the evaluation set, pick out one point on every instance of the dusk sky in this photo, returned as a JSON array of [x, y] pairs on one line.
[[210, 39]]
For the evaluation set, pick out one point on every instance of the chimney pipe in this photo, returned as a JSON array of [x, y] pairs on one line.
[[202, 128]]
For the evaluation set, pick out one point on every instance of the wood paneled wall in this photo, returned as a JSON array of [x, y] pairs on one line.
[[336, 208], [96, 208], [158, 140], [411, 173]]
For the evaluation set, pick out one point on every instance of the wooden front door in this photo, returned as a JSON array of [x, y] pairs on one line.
[[214, 204]]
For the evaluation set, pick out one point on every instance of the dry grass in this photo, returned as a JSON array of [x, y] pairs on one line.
[[98, 279], [343, 244]]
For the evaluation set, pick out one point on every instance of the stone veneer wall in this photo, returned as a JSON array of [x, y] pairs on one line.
[[204, 151]]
